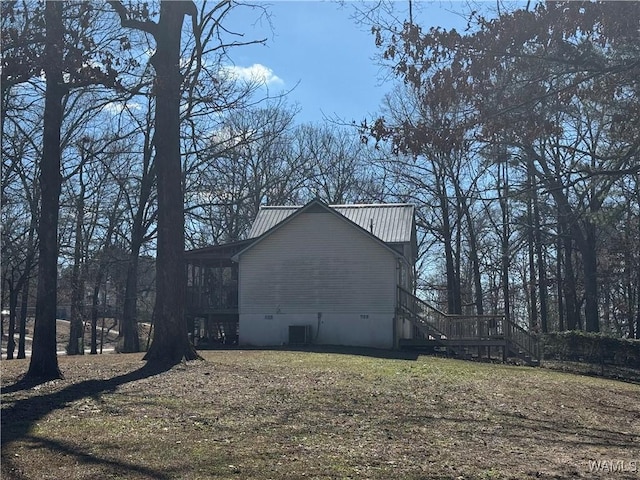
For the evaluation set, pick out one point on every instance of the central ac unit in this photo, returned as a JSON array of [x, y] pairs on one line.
[[299, 334]]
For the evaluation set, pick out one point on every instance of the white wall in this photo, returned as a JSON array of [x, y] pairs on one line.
[[365, 330], [318, 263]]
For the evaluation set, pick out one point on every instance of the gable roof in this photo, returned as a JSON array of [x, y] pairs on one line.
[[215, 254], [283, 215], [391, 223]]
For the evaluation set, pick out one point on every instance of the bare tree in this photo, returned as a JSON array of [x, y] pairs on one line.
[[44, 362], [170, 342], [250, 161]]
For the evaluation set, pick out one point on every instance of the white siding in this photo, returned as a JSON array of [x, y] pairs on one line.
[[330, 329], [318, 263]]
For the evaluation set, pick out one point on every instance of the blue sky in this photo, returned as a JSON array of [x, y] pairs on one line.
[[320, 47]]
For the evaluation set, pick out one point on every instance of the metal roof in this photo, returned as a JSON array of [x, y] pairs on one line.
[[391, 223]]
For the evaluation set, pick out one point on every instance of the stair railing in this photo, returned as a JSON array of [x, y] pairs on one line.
[[524, 340], [430, 320]]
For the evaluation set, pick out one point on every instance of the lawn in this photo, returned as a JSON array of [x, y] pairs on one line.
[[290, 415]]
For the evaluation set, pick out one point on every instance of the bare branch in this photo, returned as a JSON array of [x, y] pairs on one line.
[[125, 20]]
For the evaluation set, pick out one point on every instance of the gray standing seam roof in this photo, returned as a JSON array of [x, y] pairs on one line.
[[391, 223]]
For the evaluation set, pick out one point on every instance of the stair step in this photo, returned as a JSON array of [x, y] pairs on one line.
[[432, 323]]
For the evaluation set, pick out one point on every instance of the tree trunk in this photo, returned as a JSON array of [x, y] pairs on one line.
[[94, 309], [76, 328], [22, 329], [570, 232], [503, 196], [542, 268], [13, 312], [475, 263], [453, 289], [585, 241], [635, 333], [463, 203], [26, 286], [571, 302], [95, 296], [170, 340], [131, 339], [533, 298], [458, 259], [559, 281], [44, 361], [505, 273], [590, 268]]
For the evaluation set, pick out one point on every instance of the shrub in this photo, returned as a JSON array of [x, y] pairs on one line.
[[586, 347]]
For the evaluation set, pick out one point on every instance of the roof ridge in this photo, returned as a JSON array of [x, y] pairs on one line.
[[391, 222], [346, 205], [369, 205], [282, 207]]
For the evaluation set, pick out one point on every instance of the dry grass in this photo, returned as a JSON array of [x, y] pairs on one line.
[[280, 414]]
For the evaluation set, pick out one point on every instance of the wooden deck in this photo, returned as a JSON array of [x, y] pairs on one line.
[[464, 335], [212, 294]]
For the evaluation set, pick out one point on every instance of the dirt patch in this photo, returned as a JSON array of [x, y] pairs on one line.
[[278, 414]]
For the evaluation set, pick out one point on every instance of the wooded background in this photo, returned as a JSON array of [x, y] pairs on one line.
[[517, 141]]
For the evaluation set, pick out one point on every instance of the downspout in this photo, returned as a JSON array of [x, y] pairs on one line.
[[395, 334], [315, 340]]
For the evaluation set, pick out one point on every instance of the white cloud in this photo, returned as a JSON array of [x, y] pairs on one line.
[[117, 107], [256, 73]]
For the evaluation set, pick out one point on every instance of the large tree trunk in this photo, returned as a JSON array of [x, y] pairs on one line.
[[170, 340], [44, 361]]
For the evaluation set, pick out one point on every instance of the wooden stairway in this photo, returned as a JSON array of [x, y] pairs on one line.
[[461, 334]]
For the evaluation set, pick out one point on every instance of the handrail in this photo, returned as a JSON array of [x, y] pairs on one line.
[[444, 314], [524, 339], [418, 309], [465, 327], [403, 290]]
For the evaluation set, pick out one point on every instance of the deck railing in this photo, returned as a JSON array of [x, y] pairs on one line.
[[524, 340], [435, 323], [200, 297]]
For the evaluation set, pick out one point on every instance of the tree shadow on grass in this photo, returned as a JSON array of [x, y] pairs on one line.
[[82, 457], [19, 418]]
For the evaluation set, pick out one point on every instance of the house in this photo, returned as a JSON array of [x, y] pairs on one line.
[[331, 269], [318, 273], [333, 275]]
